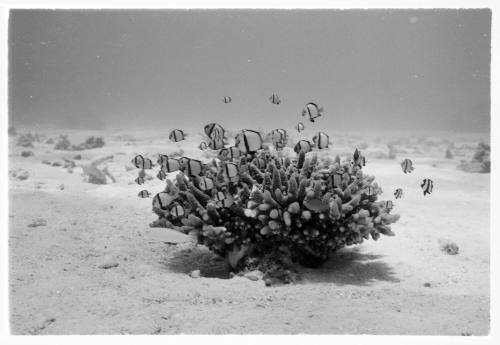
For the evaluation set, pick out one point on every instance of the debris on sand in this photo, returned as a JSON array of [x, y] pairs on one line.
[[95, 175], [46, 162], [254, 275], [19, 174], [50, 141], [448, 247], [57, 164], [27, 153], [195, 274], [481, 161], [37, 222], [90, 143], [63, 143], [44, 325], [77, 157], [427, 284], [109, 263]]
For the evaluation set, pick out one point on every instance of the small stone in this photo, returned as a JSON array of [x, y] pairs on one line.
[[37, 222], [195, 274], [61, 187], [427, 284], [108, 264], [27, 153], [77, 157], [268, 282]]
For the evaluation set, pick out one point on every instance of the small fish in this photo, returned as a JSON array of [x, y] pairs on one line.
[[279, 145], [300, 127], [161, 175], [177, 211], [275, 99], [260, 163], [142, 163], [177, 135], [162, 159], [162, 200], [312, 110], [227, 99], [321, 140], [139, 180], [203, 146], [427, 186], [171, 165], [231, 171], [316, 205], [278, 135], [229, 153], [248, 141], [303, 145], [191, 167], [205, 183], [144, 194], [216, 144], [336, 180], [407, 165], [387, 205], [398, 193], [223, 200], [370, 191], [214, 130]]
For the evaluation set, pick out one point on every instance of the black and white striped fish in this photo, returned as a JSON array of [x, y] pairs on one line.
[[231, 171], [387, 205], [370, 191], [248, 141], [142, 163], [407, 165], [427, 186], [398, 193], [162, 159], [161, 175], [191, 167], [229, 153], [214, 130], [162, 200], [260, 163], [139, 180], [170, 165], [300, 127], [205, 183], [144, 194], [176, 135], [203, 146], [321, 140], [336, 180], [223, 200], [227, 99], [312, 111], [303, 145], [177, 211], [275, 99], [278, 135], [216, 144]]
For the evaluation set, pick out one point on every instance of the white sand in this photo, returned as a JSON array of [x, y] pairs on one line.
[[378, 287]]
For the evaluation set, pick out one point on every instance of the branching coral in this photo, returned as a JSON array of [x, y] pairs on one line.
[[305, 208]]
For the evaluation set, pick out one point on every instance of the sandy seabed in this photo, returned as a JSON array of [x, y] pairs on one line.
[[396, 285]]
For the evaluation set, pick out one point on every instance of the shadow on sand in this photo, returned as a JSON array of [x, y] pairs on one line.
[[350, 267], [345, 267]]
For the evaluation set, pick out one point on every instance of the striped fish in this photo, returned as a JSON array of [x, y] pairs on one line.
[[144, 194], [275, 99], [303, 145], [139, 180], [214, 130], [205, 183], [177, 211], [142, 163], [312, 111], [321, 140], [191, 167], [171, 165], [229, 153], [370, 191], [248, 141], [336, 180], [387, 205], [398, 193], [227, 99], [177, 135], [300, 127], [260, 163], [162, 200], [216, 144], [223, 200], [231, 171], [427, 186], [278, 135], [162, 159], [161, 175], [407, 165]]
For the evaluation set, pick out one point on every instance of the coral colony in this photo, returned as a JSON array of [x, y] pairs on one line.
[[255, 206]]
